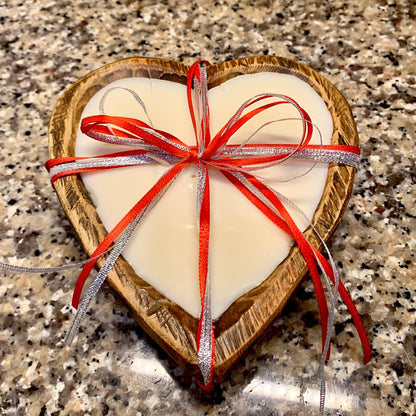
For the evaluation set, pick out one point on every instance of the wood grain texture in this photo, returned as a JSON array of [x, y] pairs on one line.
[[249, 316]]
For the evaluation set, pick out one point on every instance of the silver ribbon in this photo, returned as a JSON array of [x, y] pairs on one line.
[[205, 350], [108, 265]]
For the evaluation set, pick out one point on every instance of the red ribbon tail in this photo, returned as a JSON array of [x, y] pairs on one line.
[[359, 325], [160, 185], [283, 225]]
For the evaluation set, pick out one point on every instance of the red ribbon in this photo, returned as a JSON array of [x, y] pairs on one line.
[[212, 152]]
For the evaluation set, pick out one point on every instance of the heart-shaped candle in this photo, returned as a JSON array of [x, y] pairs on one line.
[[253, 266]]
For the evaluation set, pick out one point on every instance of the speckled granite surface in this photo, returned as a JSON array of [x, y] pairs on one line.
[[367, 49]]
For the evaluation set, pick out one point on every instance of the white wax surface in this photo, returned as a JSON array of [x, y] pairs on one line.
[[245, 247]]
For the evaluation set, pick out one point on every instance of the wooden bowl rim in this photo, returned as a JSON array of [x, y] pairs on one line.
[[249, 316]]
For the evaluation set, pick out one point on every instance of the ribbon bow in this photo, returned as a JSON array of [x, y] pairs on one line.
[[236, 163]]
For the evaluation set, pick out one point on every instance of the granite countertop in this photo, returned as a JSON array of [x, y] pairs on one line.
[[368, 50]]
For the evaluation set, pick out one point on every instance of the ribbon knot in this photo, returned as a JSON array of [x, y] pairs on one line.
[[236, 163], [194, 156]]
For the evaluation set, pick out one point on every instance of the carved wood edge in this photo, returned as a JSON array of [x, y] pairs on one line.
[[247, 318]]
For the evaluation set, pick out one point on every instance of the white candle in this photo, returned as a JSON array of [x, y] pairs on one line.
[[245, 247]]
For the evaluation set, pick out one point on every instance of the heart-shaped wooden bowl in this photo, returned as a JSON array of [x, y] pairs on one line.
[[249, 316]]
